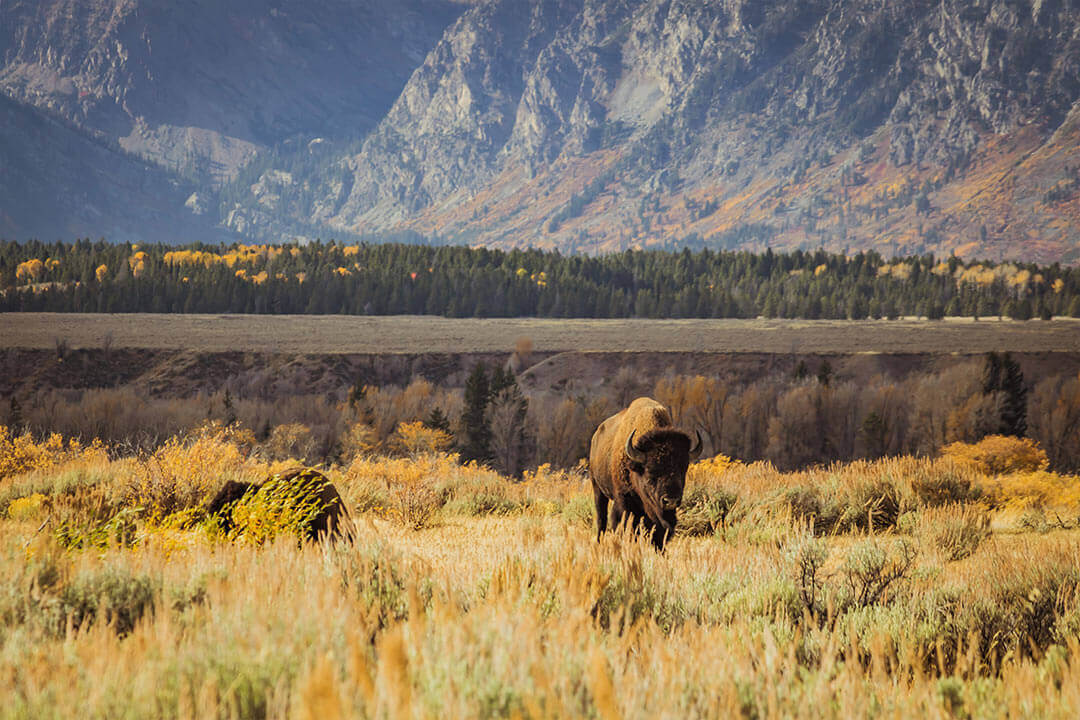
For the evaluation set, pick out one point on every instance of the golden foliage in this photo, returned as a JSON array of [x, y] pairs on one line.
[[137, 263], [101, 271], [291, 440], [30, 270], [707, 472], [22, 454], [996, 454], [27, 508], [416, 438]]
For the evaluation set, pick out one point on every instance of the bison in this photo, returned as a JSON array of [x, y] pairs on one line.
[[330, 519], [638, 461]]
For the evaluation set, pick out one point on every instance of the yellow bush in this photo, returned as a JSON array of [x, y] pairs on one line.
[[709, 470], [996, 454], [26, 508], [1039, 490], [185, 470], [417, 438], [408, 486], [22, 454]]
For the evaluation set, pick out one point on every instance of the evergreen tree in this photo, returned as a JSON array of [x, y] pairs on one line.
[[475, 431], [1002, 374], [437, 420], [1014, 413], [825, 373]]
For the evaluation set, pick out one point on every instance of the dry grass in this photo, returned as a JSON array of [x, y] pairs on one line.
[[850, 590], [421, 334]]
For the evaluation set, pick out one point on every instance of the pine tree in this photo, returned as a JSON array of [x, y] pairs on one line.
[[1014, 413], [873, 434], [825, 373], [437, 420], [1002, 374], [474, 422]]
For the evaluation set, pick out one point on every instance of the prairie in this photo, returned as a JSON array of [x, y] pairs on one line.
[[936, 587], [343, 334]]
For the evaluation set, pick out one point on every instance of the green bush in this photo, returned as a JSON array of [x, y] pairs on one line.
[[115, 596]]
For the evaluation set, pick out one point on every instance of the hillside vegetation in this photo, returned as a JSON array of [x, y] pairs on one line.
[[935, 587], [462, 282]]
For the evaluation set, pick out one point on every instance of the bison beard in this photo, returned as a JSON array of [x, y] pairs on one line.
[[638, 462], [332, 522]]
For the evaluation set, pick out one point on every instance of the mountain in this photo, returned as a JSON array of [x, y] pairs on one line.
[[58, 183], [592, 125]]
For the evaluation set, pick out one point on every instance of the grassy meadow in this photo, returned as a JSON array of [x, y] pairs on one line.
[[935, 587], [433, 334]]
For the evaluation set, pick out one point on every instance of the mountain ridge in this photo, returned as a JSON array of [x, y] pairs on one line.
[[606, 124]]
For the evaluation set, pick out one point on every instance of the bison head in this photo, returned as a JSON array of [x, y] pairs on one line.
[[658, 463]]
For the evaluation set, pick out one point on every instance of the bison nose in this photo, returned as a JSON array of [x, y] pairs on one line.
[[670, 502]]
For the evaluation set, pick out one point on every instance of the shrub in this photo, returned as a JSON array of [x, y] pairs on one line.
[[416, 438], [291, 441], [113, 595], [870, 569], [22, 454], [998, 454], [357, 441], [26, 508], [944, 483], [805, 558], [704, 510], [955, 530]]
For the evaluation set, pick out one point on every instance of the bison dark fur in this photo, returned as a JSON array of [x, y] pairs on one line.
[[331, 522], [638, 462]]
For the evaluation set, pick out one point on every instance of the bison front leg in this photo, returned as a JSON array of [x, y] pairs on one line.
[[665, 530], [618, 514], [601, 501]]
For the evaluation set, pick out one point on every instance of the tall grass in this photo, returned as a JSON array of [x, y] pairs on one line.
[[869, 588]]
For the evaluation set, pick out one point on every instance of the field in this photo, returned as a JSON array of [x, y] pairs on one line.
[[904, 587], [428, 334]]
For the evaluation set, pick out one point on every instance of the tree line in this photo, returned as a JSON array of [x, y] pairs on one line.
[[456, 281]]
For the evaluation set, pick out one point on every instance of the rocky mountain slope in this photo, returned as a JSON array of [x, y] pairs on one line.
[[591, 125], [56, 182]]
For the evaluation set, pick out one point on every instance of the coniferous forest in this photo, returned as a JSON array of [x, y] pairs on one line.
[[455, 281]]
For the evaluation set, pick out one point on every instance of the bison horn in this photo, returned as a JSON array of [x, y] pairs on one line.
[[632, 452], [695, 452]]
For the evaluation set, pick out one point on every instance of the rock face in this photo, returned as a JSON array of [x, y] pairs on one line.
[[943, 125], [645, 105], [58, 184], [200, 87]]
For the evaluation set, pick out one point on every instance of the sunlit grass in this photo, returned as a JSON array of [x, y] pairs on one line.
[[861, 589]]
